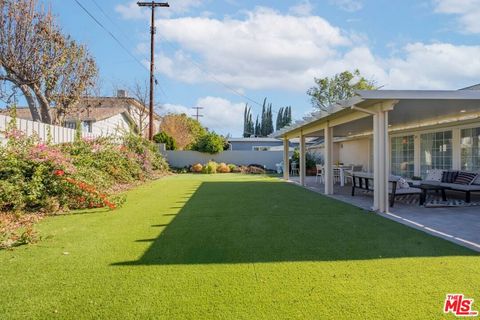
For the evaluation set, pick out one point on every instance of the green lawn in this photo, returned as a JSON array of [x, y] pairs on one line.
[[232, 247]]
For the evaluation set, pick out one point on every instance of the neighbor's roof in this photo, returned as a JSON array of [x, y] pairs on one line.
[[254, 139], [366, 97], [91, 108]]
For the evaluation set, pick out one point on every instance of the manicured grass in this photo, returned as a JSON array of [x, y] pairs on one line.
[[232, 247]]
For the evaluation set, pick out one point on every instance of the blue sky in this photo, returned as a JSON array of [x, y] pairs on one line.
[[214, 54]]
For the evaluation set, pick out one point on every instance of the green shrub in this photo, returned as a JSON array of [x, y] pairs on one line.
[[210, 167], [163, 137], [310, 159], [210, 143], [233, 168]]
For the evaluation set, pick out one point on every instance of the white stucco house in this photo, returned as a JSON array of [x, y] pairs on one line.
[[105, 115], [401, 132]]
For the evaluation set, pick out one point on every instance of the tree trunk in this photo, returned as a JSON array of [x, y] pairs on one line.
[[44, 105], [31, 102]]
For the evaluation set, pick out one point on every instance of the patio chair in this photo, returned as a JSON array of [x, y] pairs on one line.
[[336, 175], [320, 173], [349, 173], [294, 169]]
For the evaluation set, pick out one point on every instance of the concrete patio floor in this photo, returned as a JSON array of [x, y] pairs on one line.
[[457, 224]]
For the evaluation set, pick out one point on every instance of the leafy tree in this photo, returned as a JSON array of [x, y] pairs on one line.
[[210, 143], [48, 67], [183, 129], [340, 87], [163, 137]]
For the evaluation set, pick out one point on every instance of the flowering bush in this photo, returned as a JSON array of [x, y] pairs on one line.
[[40, 178]]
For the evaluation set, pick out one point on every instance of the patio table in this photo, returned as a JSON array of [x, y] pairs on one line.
[[425, 187]]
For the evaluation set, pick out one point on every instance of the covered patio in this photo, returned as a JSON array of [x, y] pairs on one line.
[[460, 225], [377, 117]]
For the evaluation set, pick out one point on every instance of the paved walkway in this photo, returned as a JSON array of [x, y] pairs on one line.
[[457, 224]]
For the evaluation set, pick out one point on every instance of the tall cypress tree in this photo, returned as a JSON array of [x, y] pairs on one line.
[[258, 128], [280, 119], [246, 123], [269, 126]]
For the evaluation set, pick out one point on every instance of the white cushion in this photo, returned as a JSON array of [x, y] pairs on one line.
[[434, 175], [477, 180], [403, 184]]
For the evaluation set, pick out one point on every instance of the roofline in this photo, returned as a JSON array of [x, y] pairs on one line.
[[384, 95]]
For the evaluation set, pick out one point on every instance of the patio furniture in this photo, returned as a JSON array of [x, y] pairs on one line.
[[339, 174], [455, 185], [319, 173], [294, 169], [425, 187], [364, 181], [349, 173]]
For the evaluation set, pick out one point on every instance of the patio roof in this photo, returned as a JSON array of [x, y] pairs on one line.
[[413, 108]]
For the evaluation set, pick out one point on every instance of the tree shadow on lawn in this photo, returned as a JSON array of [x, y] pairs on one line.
[[241, 222]]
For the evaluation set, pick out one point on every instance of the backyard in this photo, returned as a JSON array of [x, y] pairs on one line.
[[232, 246]]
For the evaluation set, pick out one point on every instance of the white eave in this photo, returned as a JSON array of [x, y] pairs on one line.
[[365, 97]]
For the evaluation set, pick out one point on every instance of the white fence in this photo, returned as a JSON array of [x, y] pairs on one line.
[[269, 159], [57, 134]]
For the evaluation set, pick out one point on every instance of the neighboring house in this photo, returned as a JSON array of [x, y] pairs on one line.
[[402, 132], [260, 144], [105, 115]]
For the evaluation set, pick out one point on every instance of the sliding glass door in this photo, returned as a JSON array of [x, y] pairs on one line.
[[436, 151], [402, 156], [470, 145]]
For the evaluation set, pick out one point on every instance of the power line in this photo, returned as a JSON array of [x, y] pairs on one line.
[[112, 21], [209, 74], [113, 36]]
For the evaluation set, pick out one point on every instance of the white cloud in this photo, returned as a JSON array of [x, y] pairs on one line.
[[303, 8], [468, 12], [270, 50], [435, 66], [348, 5], [131, 11], [220, 115], [264, 50]]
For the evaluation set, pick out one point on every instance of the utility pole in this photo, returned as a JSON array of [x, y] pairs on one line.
[[152, 5], [197, 115]]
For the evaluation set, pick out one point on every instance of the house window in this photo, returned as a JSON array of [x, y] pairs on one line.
[[470, 146], [70, 125], [87, 126], [260, 148], [403, 156], [436, 151]]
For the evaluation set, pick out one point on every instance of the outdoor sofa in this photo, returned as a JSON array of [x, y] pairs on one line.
[[397, 186], [452, 180]]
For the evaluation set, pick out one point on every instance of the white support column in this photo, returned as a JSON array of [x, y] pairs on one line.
[[286, 160], [302, 165], [381, 161], [456, 149], [417, 157], [328, 142]]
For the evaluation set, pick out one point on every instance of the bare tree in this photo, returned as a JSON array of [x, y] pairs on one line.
[[140, 92], [48, 67]]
